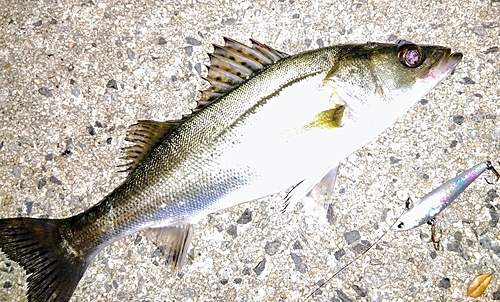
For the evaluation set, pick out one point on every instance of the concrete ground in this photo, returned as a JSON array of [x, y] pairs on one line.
[[75, 74]]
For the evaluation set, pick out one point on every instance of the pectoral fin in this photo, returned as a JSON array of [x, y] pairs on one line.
[[175, 240], [330, 119]]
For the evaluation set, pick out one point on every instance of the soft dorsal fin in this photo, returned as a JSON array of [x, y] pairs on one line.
[[232, 64], [145, 135]]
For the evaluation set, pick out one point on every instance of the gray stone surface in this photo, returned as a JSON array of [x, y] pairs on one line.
[[66, 65]]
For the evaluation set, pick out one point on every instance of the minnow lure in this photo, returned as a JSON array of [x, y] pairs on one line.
[[436, 201], [425, 211]]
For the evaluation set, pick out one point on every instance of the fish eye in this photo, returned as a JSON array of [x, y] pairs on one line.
[[410, 54], [401, 225]]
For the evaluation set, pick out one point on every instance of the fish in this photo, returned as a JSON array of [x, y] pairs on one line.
[[437, 200], [268, 122]]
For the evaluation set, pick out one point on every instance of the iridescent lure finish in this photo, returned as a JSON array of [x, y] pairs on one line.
[[436, 201]]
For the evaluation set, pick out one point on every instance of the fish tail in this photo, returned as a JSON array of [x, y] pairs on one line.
[[39, 245]]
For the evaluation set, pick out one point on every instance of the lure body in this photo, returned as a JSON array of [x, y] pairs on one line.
[[436, 201]]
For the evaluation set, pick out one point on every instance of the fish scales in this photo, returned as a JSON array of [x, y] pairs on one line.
[[160, 182], [286, 124]]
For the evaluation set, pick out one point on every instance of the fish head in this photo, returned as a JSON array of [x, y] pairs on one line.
[[378, 80], [407, 69]]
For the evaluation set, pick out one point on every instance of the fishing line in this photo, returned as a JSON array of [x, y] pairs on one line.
[[357, 258]]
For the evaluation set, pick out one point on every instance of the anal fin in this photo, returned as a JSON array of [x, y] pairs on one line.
[[175, 241]]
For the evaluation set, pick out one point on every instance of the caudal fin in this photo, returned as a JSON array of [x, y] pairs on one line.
[[39, 245]]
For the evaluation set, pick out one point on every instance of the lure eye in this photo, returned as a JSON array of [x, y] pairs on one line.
[[410, 54], [401, 225]]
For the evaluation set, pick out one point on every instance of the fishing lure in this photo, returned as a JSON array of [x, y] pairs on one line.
[[426, 210], [436, 201]]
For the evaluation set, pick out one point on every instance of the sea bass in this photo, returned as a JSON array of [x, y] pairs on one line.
[[268, 122]]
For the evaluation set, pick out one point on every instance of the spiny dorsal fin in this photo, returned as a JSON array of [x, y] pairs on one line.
[[232, 64], [145, 135]]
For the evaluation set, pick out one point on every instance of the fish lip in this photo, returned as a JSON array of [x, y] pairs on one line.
[[450, 62], [443, 67]]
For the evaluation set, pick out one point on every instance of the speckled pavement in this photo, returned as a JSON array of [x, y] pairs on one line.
[[75, 74]]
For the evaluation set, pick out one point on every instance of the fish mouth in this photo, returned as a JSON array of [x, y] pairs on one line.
[[443, 67]]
